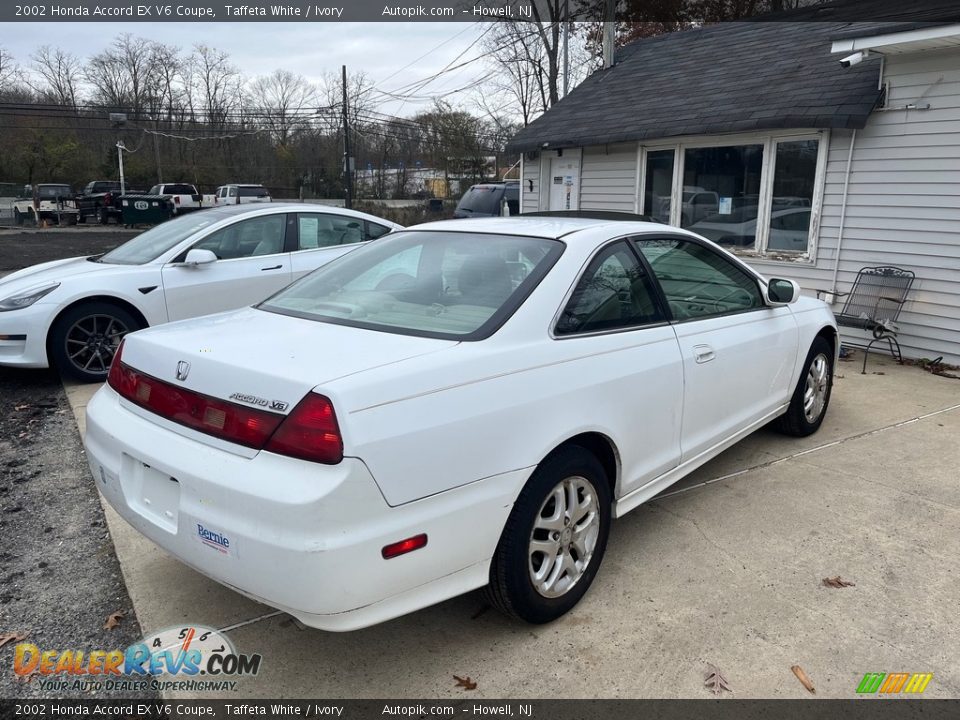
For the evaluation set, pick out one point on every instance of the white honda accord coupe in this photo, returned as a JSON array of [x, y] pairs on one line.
[[72, 313], [463, 404]]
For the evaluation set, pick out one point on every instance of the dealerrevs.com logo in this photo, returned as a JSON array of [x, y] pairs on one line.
[[191, 658], [894, 683]]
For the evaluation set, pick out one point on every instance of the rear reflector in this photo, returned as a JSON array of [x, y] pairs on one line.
[[404, 546], [309, 432]]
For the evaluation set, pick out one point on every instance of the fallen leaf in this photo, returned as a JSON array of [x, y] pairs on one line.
[[837, 582], [11, 637], [715, 681], [802, 677], [28, 678], [113, 620], [466, 683], [20, 407]]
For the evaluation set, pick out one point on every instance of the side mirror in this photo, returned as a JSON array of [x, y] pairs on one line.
[[197, 257], [782, 292]]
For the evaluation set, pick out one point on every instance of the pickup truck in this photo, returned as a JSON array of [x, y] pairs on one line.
[[100, 199], [185, 197], [45, 202]]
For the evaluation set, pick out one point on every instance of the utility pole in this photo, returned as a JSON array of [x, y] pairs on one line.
[[609, 32], [566, 46], [120, 149], [348, 174]]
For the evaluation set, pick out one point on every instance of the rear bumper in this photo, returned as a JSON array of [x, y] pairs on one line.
[[301, 537]]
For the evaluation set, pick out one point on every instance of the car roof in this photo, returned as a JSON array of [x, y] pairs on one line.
[[539, 226], [225, 211]]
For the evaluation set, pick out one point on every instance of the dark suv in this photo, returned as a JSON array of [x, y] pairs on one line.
[[485, 200]]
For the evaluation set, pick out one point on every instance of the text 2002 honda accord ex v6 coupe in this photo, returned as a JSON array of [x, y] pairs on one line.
[[464, 404]]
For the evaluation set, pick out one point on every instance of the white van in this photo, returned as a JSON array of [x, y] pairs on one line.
[[241, 194]]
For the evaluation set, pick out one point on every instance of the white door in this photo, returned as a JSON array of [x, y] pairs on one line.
[[738, 354], [564, 183], [252, 264], [629, 358]]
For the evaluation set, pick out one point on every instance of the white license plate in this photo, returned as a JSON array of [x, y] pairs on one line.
[[153, 494]]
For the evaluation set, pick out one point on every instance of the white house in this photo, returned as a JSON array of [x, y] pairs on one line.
[[756, 135]]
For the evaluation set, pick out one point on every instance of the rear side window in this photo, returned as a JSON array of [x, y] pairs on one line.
[[319, 230], [374, 230], [254, 192], [614, 293]]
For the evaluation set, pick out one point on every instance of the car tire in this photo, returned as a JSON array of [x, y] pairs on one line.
[[539, 585], [808, 406], [81, 219], [17, 217], [84, 339], [102, 217]]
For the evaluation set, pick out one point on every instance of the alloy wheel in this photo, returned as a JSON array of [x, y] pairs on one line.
[[92, 341], [564, 537], [815, 392]]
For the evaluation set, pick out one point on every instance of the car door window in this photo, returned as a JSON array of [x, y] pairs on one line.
[[697, 281], [614, 293], [319, 230], [247, 238]]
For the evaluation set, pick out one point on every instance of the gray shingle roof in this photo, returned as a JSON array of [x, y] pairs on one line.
[[730, 77]]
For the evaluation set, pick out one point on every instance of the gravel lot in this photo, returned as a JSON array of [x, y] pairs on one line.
[[20, 248], [59, 575]]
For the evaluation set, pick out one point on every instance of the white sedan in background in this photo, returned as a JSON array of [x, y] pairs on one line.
[[72, 313], [464, 404]]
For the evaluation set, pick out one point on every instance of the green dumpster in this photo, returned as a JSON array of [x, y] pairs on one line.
[[145, 209]]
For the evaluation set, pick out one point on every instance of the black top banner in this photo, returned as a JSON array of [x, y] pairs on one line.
[[545, 11]]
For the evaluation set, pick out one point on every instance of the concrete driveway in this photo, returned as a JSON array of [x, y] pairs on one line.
[[724, 568]]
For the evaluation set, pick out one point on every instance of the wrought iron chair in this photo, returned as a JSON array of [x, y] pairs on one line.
[[874, 303]]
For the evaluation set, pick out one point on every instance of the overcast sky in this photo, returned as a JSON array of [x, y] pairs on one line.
[[379, 49]]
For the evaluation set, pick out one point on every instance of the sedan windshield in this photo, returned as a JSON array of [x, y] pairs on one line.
[[156, 241], [433, 284]]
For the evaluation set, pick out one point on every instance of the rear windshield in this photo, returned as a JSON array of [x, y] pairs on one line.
[[482, 199], [257, 192], [54, 191], [179, 190], [432, 284]]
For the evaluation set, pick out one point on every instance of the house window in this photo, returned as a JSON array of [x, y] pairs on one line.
[[795, 168], [659, 184], [721, 193], [755, 195]]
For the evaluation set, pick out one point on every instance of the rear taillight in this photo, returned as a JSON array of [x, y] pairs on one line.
[[310, 432], [107, 199], [176, 199], [235, 423]]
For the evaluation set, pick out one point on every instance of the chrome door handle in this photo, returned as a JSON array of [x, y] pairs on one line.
[[703, 353]]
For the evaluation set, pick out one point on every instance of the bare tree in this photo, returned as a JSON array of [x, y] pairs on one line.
[[10, 72], [282, 102], [216, 83], [59, 75]]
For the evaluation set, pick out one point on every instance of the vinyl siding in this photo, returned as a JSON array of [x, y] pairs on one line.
[[903, 206], [531, 174], [608, 178]]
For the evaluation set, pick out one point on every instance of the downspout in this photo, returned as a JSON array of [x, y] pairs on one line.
[[843, 214]]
